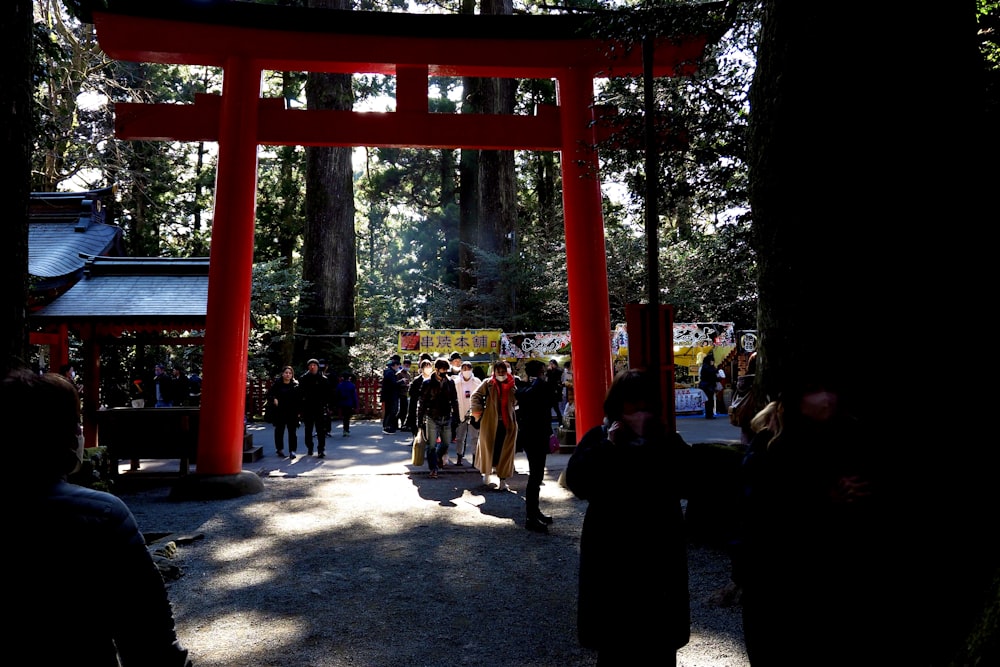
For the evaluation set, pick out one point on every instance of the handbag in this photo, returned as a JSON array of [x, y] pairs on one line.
[[419, 448], [741, 404], [553, 444]]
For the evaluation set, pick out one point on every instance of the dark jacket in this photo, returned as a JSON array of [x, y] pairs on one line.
[[633, 556], [289, 406], [346, 395], [413, 393], [708, 376], [553, 379], [534, 409], [438, 400], [75, 614], [391, 386], [315, 390]]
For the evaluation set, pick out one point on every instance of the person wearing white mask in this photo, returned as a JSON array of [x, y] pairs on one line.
[[493, 406], [467, 433], [455, 364]]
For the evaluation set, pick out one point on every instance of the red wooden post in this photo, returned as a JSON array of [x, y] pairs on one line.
[[227, 320], [586, 265]]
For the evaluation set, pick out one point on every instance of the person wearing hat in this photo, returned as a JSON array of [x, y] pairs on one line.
[[315, 389], [467, 433], [456, 364]]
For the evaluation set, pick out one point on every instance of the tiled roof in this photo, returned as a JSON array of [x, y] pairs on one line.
[[146, 292], [62, 226]]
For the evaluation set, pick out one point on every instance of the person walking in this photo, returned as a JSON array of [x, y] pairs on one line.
[[346, 402], [493, 409], [315, 390], [132, 620], [467, 434], [554, 381], [534, 423], [633, 522], [707, 378], [437, 413], [389, 395], [284, 405], [405, 377], [426, 370]]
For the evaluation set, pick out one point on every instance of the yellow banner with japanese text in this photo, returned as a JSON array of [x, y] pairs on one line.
[[437, 342]]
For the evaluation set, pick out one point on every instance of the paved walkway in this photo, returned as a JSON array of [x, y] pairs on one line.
[[369, 451]]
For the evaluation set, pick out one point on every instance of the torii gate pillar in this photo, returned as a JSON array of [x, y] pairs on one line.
[[586, 263], [227, 316]]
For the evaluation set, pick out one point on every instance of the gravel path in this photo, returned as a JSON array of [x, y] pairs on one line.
[[379, 570]]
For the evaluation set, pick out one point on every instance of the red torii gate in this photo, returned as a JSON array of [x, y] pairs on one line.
[[246, 39]]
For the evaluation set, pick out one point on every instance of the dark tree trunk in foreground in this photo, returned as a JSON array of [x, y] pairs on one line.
[[329, 254], [869, 176], [15, 118]]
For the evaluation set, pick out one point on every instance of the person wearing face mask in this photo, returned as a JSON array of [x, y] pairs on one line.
[[634, 524], [133, 620], [493, 410], [437, 413], [455, 361], [467, 433], [426, 370]]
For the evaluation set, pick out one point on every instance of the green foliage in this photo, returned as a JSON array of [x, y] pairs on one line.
[[407, 200], [274, 293]]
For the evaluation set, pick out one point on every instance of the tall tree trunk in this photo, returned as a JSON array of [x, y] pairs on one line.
[[872, 161], [16, 118], [329, 252], [498, 182]]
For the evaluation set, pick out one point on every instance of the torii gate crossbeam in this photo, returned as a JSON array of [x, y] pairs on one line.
[[246, 39]]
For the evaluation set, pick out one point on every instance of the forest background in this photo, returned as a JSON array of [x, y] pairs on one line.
[[353, 245]]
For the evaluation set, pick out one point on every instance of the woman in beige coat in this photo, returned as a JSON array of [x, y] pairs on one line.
[[493, 407]]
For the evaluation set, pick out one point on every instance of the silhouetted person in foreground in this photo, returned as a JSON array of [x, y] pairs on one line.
[[633, 603], [811, 557], [91, 594]]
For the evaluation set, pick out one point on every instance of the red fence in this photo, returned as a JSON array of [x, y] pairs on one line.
[[369, 406]]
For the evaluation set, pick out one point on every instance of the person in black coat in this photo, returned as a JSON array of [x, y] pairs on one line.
[[534, 429], [284, 406], [437, 414], [708, 376], [316, 392], [811, 555], [426, 370], [633, 587], [554, 382]]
